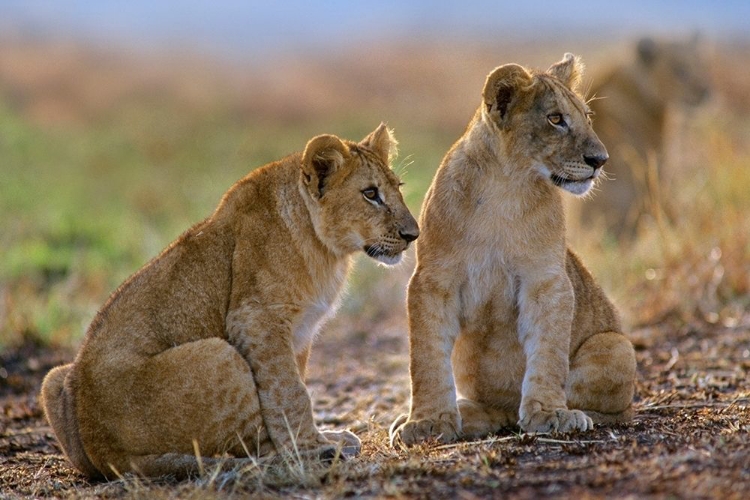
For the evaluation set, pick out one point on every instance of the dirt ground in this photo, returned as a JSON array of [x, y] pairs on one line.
[[690, 438]]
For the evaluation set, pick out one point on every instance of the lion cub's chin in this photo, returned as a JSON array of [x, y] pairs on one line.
[[387, 260], [578, 188]]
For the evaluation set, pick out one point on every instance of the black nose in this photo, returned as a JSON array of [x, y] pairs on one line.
[[409, 236], [595, 161]]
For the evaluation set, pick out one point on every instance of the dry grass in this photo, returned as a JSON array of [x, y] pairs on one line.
[[129, 157], [689, 439]]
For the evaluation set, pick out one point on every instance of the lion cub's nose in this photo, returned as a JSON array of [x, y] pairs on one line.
[[409, 235], [595, 161]]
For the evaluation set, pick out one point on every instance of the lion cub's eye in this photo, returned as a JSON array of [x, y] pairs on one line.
[[556, 119], [371, 194]]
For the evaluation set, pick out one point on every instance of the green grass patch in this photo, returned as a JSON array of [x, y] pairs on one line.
[[83, 208]]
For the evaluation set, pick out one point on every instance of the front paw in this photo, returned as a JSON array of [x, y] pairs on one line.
[[539, 421], [349, 443], [316, 447], [446, 427], [309, 453]]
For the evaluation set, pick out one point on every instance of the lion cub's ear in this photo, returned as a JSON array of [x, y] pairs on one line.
[[502, 88], [647, 50], [323, 155], [381, 142], [569, 71]]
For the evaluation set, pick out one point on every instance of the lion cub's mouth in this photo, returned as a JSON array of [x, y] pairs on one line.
[[559, 180], [382, 255], [577, 187]]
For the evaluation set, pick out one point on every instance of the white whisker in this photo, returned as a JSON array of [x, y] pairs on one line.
[[400, 168]]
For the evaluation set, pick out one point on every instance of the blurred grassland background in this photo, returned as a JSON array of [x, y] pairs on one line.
[[110, 149]]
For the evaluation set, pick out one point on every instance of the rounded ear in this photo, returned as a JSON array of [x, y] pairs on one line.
[[502, 87], [381, 142], [569, 71], [323, 155], [647, 50]]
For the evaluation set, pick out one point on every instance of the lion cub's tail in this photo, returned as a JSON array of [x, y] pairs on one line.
[[59, 408]]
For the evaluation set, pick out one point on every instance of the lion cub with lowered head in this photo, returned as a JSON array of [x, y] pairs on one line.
[[636, 105], [204, 349], [499, 308]]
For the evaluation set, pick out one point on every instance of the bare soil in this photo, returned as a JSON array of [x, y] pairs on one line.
[[690, 437]]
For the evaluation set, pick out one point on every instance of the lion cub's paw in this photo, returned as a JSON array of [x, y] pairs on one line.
[[328, 446], [322, 452], [348, 442], [560, 420], [445, 428]]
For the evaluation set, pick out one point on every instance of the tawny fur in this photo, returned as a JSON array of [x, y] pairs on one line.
[[205, 348], [500, 310], [635, 105]]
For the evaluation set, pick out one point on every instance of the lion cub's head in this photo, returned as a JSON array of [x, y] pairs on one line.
[[673, 70], [354, 197], [544, 123]]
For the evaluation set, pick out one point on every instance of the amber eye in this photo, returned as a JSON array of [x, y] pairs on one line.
[[556, 119], [371, 194]]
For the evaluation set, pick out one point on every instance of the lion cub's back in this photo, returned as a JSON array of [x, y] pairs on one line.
[[180, 296]]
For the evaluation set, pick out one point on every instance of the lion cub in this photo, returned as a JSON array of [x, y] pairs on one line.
[[498, 307], [204, 349], [635, 105]]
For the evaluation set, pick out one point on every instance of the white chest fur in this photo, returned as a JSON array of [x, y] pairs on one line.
[[321, 308], [488, 280]]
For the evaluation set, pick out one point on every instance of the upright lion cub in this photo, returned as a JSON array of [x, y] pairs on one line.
[[498, 307], [205, 348]]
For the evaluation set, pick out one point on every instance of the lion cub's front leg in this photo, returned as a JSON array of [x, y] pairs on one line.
[[266, 344], [545, 319], [433, 328]]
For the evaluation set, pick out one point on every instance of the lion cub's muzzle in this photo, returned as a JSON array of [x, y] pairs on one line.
[[388, 249], [596, 161], [409, 229], [409, 235]]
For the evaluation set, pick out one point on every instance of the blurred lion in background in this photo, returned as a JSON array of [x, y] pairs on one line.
[[634, 106]]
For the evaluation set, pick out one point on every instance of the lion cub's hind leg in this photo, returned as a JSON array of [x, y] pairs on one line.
[[201, 393], [601, 380], [58, 404], [479, 420]]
